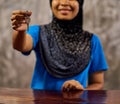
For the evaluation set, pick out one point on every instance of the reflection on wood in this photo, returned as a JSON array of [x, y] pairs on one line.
[[28, 96]]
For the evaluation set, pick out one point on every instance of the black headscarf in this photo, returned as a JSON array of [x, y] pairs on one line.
[[64, 46]]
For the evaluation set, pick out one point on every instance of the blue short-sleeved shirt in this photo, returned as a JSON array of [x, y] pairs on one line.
[[43, 80]]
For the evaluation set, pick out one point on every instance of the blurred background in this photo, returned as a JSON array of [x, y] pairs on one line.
[[101, 17]]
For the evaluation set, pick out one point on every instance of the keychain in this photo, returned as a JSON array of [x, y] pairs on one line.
[[27, 20]]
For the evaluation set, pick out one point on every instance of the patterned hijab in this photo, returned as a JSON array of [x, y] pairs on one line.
[[64, 46]]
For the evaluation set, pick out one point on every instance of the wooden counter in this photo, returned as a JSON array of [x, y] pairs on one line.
[[28, 96]]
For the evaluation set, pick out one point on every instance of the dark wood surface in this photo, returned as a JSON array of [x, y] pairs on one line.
[[28, 96]]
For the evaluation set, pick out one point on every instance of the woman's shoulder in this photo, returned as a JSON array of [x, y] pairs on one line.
[[96, 42], [33, 27], [95, 38], [33, 30], [36, 27]]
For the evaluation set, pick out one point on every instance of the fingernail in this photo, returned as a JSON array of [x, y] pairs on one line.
[[68, 89]]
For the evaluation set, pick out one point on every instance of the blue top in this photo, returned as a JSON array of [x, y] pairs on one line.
[[43, 80]]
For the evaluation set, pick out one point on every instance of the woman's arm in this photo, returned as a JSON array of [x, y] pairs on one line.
[[96, 81], [21, 41]]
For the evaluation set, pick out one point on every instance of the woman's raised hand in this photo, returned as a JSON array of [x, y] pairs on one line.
[[20, 20]]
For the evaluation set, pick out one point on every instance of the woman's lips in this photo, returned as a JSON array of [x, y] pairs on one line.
[[64, 11]]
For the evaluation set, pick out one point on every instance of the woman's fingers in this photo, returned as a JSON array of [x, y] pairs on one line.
[[72, 85], [20, 20], [22, 12], [17, 17]]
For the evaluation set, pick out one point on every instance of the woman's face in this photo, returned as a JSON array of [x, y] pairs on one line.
[[65, 9]]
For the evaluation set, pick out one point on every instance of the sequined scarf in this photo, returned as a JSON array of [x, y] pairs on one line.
[[65, 47]]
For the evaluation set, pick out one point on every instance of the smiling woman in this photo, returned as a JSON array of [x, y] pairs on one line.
[[67, 56]]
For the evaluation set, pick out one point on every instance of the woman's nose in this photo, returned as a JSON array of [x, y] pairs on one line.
[[64, 2]]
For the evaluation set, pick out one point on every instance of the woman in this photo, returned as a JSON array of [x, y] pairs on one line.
[[68, 57]]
